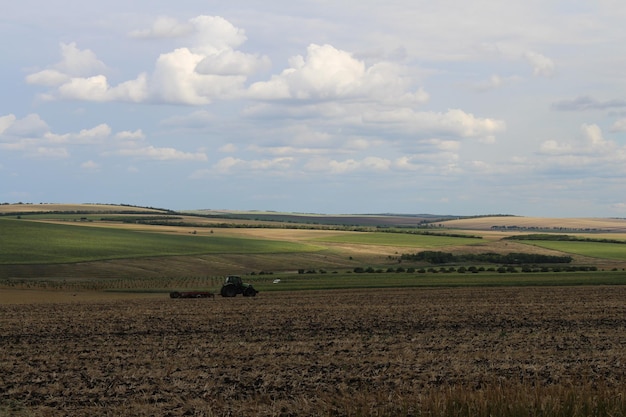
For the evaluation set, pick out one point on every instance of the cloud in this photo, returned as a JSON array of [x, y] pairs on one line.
[[619, 125], [176, 79], [215, 34], [77, 77], [439, 164], [209, 68], [90, 165], [97, 88], [196, 120], [443, 145], [162, 154], [582, 103], [453, 122], [30, 126], [327, 73], [493, 83], [48, 78], [289, 150], [77, 62], [590, 154], [85, 136], [542, 65], [232, 165], [32, 136], [6, 122], [230, 62], [593, 136], [332, 166], [128, 135], [163, 27], [74, 63], [553, 147]]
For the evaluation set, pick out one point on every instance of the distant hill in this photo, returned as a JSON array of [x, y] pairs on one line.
[[495, 223], [22, 208], [374, 220]]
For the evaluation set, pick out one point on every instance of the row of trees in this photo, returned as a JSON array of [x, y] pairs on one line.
[[436, 257], [475, 269], [564, 238]]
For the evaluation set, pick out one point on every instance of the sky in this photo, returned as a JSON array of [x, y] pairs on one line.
[[460, 107]]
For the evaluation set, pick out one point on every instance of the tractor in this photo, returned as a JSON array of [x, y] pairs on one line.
[[233, 286]]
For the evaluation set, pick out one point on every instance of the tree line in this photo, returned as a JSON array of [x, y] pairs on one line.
[[436, 257]]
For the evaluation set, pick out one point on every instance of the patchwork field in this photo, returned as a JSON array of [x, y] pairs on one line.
[[82, 242], [351, 329], [556, 351]]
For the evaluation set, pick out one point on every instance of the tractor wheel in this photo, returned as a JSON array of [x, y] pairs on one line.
[[249, 292], [228, 291], [175, 294]]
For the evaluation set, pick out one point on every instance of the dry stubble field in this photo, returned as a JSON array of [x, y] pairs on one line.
[[456, 351]]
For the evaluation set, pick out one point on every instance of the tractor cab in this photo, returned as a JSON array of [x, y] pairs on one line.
[[233, 279]]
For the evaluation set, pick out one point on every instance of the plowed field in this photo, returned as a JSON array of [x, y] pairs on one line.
[[370, 352]]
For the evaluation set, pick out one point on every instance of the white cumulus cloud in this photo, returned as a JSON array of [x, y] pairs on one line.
[[327, 73], [209, 67]]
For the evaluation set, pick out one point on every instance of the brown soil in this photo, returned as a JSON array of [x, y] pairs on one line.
[[309, 353]]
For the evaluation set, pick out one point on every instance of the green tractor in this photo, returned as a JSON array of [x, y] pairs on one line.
[[233, 286]]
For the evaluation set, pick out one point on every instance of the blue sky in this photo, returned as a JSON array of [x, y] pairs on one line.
[[447, 107]]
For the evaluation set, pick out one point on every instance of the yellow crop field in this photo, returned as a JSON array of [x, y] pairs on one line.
[[541, 223]]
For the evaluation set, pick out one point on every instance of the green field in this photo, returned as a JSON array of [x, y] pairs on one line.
[[406, 280], [593, 249], [26, 242]]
